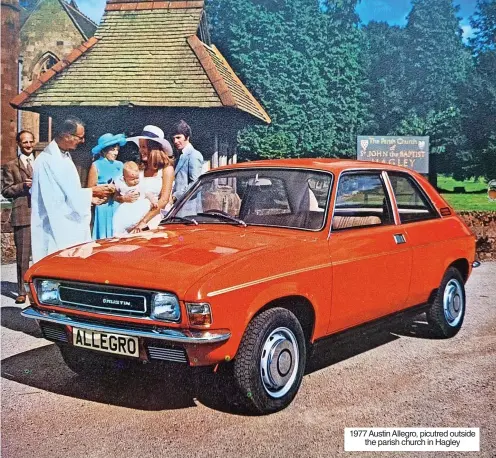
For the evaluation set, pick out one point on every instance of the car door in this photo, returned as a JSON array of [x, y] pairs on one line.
[[370, 254], [426, 233]]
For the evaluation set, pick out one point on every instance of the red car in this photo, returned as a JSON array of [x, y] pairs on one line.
[[252, 266]]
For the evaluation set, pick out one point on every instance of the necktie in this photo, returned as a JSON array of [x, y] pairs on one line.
[[29, 166]]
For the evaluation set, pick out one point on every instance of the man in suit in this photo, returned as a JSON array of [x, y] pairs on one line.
[[188, 166], [16, 184]]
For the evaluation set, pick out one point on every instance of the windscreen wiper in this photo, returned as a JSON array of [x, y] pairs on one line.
[[179, 219], [221, 215]]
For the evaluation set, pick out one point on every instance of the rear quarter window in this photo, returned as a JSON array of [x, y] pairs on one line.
[[413, 204]]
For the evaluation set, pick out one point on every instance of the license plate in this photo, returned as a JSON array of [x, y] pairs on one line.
[[103, 341]]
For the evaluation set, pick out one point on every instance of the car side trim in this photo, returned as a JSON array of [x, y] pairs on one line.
[[266, 279], [169, 335]]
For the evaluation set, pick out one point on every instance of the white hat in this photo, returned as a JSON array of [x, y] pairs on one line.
[[155, 134]]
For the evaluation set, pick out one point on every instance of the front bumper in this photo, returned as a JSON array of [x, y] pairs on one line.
[[168, 335]]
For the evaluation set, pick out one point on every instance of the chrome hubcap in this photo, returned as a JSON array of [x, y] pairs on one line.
[[453, 302], [279, 362]]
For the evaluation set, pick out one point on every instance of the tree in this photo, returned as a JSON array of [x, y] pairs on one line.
[[288, 55], [342, 45], [437, 65], [480, 92], [437, 60], [387, 77]]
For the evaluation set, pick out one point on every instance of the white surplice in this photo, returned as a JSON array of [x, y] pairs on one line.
[[60, 208]]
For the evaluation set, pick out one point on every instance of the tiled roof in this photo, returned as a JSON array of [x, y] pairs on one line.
[[145, 54], [84, 24]]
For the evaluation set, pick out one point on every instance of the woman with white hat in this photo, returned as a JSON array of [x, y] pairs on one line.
[[104, 170], [157, 173]]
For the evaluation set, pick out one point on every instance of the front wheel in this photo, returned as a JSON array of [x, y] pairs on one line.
[[447, 309], [269, 366]]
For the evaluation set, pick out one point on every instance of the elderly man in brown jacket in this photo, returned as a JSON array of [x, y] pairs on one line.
[[16, 184]]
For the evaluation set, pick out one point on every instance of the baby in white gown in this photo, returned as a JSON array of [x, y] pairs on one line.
[[128, 214]]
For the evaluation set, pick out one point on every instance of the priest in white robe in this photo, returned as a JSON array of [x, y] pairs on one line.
[[60, 208]]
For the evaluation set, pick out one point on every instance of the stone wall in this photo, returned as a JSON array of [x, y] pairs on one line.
[[482, 224], [8, 247]]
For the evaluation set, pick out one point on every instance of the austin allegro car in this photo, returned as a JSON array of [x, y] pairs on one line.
[[252, 266]]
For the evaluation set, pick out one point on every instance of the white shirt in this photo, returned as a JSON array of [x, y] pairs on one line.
[[26, 159]]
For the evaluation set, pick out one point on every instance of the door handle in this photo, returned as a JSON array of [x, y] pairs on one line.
[[399, 238]]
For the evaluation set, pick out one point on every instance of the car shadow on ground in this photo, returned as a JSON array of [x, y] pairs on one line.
[[11, 318], [155, 387], [8, 289], [416, 327], [334, 349], [43, 368]]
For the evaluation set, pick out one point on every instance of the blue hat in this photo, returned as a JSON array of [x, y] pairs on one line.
[[109, 140]]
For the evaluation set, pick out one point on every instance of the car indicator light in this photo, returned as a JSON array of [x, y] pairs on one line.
[[199, 313]]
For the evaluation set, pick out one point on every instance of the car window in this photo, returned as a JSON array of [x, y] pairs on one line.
[[290, 198], [413, 205], [361, 201]]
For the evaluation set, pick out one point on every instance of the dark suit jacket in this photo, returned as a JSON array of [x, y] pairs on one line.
[[14, 174]]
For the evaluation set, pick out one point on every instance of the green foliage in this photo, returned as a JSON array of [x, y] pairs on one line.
[[415, 75], [302, 63], [437, 60], [483, 23], [386, 60], [324, 80], [479, 93], [446, 140]]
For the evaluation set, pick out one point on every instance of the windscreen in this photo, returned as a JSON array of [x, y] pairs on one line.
[[292, 198]]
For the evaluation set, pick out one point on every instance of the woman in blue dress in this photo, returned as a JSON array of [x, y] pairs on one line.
[[104, 170]]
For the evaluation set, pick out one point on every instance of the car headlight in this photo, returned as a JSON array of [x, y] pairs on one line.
[[48, 292], [165, 306]]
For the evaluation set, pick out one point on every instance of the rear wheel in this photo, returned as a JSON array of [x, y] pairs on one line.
[[269, 366], [447, 309]]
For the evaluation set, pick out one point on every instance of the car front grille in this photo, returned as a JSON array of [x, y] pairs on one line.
[[105, 299]]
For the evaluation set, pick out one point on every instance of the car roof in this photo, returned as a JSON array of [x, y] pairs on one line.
[[331, 165]]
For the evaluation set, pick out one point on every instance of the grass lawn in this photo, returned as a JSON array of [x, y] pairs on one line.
[[470, 202], [471, 199], [449, 183]]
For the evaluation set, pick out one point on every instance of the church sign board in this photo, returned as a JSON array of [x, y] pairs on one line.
[[410, 152]]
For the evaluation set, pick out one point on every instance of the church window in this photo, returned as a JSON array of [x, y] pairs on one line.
[[48, 61]]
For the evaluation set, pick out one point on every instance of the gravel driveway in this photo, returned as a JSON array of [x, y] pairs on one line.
[[397, 378]]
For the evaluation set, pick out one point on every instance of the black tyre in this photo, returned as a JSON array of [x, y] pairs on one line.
[[91, 364], [270, 363], [447, 309]]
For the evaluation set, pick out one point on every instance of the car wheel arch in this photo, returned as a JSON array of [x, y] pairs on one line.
[[462, 265], [300, 306]]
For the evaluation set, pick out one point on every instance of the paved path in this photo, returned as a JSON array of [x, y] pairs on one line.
[[388, 379]]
